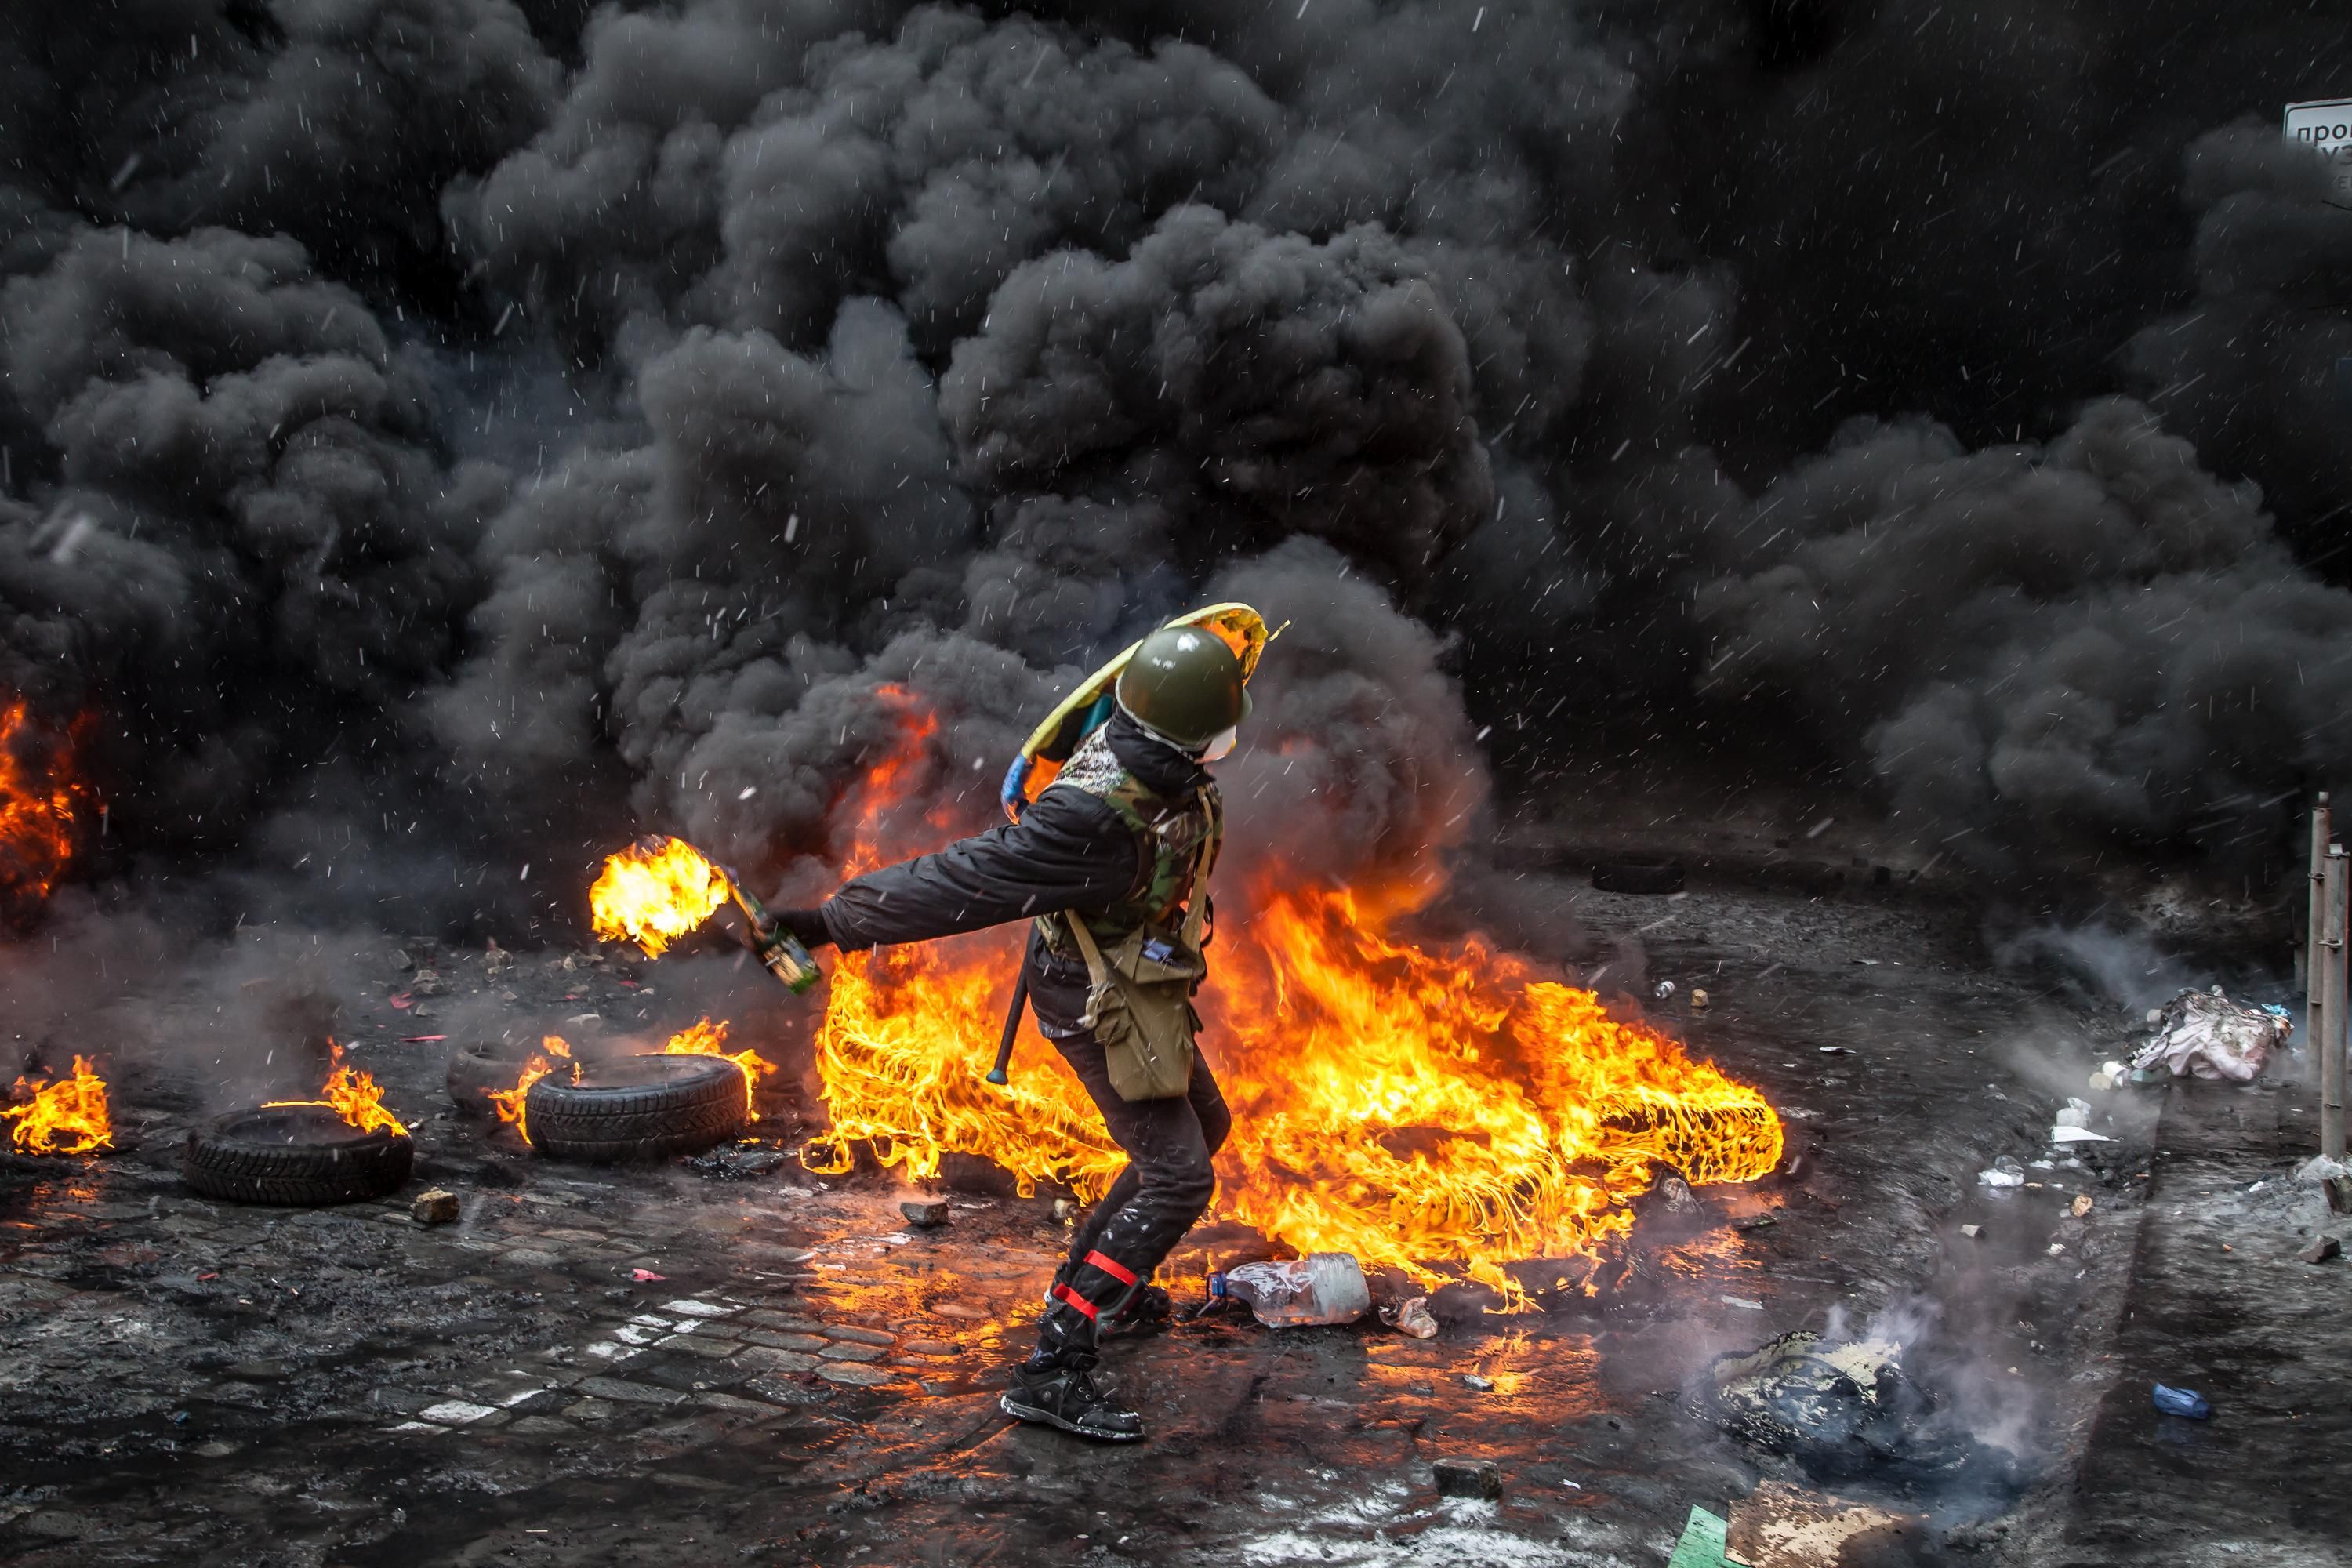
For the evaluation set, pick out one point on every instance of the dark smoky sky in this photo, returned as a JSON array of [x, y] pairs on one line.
[[444, 436]]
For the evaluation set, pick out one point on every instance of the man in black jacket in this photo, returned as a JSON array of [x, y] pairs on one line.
[[1123, 837]]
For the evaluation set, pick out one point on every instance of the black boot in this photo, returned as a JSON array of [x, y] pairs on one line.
[[1056, 1386], [1060, 1391]]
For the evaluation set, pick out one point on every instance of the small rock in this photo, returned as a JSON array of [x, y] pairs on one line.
[[426, 982], [1972, 1231], [2082, 1204], [2320, 1251], [925, 1214], [402, 961], [435, 1206], [1699, 1003], [1469, 1478], [1482, 1384]]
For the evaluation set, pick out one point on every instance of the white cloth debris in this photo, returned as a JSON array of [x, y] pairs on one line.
[[2203, 1034], [2076, 1114], [2077, 1135]]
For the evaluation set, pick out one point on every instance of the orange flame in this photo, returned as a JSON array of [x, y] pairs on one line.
[[352, 1094], [654, 892], [37, 799], [509, 1103], [705, 1039], [68, 1116], [1424, 1109]]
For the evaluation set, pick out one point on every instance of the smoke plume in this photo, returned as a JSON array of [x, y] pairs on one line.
[[557, 421]]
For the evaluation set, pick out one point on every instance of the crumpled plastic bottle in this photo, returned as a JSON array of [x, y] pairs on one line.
[[2182, 1402], [1321, 1288]]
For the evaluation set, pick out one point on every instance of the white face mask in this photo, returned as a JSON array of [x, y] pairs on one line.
[[1221, 747]]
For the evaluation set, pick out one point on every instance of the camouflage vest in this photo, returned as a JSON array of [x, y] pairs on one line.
[[1183, 835]]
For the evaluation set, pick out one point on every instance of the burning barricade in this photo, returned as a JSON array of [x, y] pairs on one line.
[[342, 1147], [1442, 1111]]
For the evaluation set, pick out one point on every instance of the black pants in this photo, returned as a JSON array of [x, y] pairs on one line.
[[1168, 1181]]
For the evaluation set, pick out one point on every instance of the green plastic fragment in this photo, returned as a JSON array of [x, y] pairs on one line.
[[1702, 1544]]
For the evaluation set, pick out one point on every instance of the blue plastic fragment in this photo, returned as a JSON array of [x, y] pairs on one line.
[[2182, 1402]]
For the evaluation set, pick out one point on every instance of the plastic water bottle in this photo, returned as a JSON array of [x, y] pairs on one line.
[[2182, 1402], [1321, 1288]]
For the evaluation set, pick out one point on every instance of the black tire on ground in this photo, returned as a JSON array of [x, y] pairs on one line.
[[1628, 875], [637, 1107], [295, 1154], [475, 1069]]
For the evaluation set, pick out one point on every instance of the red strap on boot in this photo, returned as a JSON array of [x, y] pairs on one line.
[[1111, 1267], [1063, 1293]]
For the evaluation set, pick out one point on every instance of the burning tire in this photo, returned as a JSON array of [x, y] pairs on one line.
[[1630, 874], [294, 1154], [638, 1108]]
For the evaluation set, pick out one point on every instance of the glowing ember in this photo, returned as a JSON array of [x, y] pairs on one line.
[[706, 1039], [351, 1095], [654, 892], [1429, 1110], [509, 1103], [37, 799], [67, 1115]]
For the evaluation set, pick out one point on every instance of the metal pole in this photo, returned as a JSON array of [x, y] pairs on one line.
[[2329, 955], [2315, 932]]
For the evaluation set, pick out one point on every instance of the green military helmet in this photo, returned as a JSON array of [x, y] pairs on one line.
[[1184, 683]]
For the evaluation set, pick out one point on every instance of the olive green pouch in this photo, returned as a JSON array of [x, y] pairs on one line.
[[1140, 1005]]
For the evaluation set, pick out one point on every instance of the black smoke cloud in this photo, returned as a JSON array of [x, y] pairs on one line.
[[555, 421]]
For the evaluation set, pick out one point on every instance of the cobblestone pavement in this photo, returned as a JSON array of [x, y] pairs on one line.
[[640, 1365]]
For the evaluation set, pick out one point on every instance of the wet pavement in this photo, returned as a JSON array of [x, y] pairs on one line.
[[810, 1379]]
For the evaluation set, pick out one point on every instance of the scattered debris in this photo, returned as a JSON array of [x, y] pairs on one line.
[[1322, 1288], [437, 1206], [2077, 1135], [645, 1276], [1837, 1051], [2005, 1172], [1673, 1194], [1065, 1211], [1840, 1410], [1410, 1317], [1664, 989], [2082, 1204], [426, 982], [925, 1214], [1698, 999], [1479, 1383], [2205, 1035], [2335, 1179], [1780, 1525], [1469, 1478], [2321, 1250], [2185, 1402], [2077, 1113], [1972, 1231], [2110, 1075], [1744, 1303], [736, 1161], [1702, 1542]]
